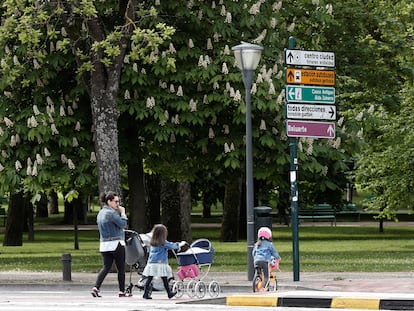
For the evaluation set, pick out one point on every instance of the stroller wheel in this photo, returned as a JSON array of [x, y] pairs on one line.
[[191, 289], [200, 289], [179, 288], [214, 289]]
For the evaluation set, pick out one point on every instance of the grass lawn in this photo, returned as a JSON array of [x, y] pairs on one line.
[[356, 249]]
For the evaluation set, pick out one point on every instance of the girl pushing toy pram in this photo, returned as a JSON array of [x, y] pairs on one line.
[[264, 255], [157, 265]]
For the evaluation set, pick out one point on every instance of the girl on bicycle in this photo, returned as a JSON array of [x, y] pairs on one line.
[[263, 252]]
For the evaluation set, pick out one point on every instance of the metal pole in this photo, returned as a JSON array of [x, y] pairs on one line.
[[247, 79], [294, 194]]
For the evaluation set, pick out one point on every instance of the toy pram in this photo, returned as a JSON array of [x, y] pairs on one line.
[[191, 264]]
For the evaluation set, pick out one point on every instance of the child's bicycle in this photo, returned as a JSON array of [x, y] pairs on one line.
[[258, 277]]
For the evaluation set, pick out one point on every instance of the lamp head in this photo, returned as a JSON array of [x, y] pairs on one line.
[[247, 55]]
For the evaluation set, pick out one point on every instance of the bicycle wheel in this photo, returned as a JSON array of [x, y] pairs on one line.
[[257, 281], [273, 283]]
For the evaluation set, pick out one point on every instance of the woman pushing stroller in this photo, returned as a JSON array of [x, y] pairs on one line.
[[264, 251], [157, 265]]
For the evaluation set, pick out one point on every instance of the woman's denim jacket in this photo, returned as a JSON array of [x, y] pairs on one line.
[[111, 225]]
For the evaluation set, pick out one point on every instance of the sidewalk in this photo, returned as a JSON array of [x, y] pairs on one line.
[[391, 291]]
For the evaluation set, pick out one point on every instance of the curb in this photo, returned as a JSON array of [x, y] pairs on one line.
[[317, 302]]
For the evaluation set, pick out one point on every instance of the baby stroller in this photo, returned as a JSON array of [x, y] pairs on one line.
[[136, 255], [137, 247], [191, 263]]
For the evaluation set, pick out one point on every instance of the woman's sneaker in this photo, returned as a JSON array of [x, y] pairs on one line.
[[95, 292]]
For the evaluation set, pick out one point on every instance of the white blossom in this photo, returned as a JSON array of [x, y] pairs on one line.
[[36, 110], [223, 11], [54, 129], [172, 138], [226, 148], [226, 129], [39, 159], [340, 121], [92, 159], [172, 48], [78, 126], [254, 89], [7, 94], [180, 91], [46, 152], [150, 102], [255, 8], [209, 44], [273, 23], [63, 158], [29, 170], [4, 154], [127, 95], [16, 60], [371, 109], [272, 90], [232, 147], [13, 141], [205, 99], [224, 69], [62, 112], [213, 5], [1, 132], [226, 50], [172, 88], [34, 170], [262, 125], [18, 165], [190, 43], [71, 165], [126, 59], [274, 131], [1, 168], [359, 116], [291, 27], [193, 105], [228, 18], [237, 96], [329, 9], [175, 120], [75, 142], [9, 123], [277, 6], [70, 111], [211, 133], [36, 64], [135, 67]]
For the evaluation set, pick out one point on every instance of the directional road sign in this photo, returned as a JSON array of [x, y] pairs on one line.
[[313, 129], [309, 76], [311, 112], [310, 94], [309, 58]]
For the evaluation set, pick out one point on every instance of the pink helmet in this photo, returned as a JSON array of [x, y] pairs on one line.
[[264, 232]]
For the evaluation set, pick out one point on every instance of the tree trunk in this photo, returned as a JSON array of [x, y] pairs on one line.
[[170, 202], [15, 221], [231, 210], [42, 207], [52, 203], [153, 190], [105, 115], [29, 218], [136, 197], [185, 209]]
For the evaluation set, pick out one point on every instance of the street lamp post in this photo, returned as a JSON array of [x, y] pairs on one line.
[[247, 58]]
